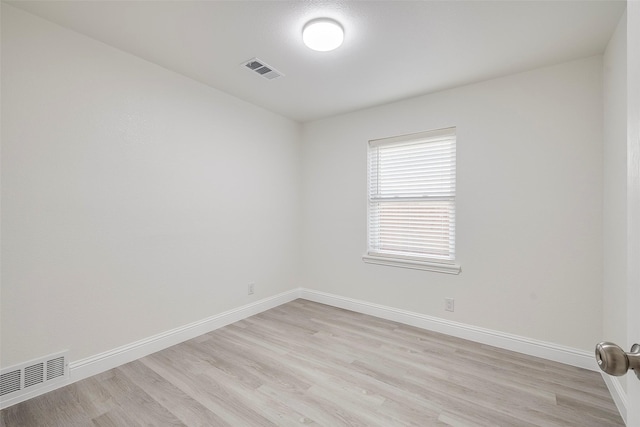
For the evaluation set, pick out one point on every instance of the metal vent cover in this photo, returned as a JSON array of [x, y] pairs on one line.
[[260, 67], [55, 368], [10, 382], [33, 374], [25, 377]]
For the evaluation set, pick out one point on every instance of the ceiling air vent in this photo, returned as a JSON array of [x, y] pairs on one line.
[[267, 71]]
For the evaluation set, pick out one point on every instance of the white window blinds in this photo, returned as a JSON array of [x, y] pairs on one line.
[[412, 192]]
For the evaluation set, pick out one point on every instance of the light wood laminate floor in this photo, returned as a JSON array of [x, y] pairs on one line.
[[305, 363]]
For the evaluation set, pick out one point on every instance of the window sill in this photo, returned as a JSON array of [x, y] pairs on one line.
[[416, 265]]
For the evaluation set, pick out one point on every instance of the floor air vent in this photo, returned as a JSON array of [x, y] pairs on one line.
[[267, 71], [33, 374], [10, 382], [55, 368], [27, 377]]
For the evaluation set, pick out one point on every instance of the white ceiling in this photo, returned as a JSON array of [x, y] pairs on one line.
[[392, 49]]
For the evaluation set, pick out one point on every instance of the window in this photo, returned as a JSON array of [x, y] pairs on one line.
[[412, 201]]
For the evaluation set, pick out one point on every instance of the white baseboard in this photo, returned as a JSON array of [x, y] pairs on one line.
[[93, 365], [545, 350], [617, 393]]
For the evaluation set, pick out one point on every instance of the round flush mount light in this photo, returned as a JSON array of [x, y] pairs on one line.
[[323, 34]]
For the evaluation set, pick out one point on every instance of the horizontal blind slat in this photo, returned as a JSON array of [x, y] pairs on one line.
[[411, 186]]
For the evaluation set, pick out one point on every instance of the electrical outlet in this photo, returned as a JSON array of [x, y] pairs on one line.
[[251, 288], [448, 304]]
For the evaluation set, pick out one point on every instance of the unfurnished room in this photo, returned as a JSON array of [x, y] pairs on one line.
[[320, 213]]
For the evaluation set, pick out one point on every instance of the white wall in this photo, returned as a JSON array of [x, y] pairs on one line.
[[614, 298], [134, 200], [529, 204]]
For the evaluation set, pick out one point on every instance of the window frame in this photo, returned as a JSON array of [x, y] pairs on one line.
[[371, 256]]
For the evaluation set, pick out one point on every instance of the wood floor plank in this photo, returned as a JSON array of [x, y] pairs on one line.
[[328, 369], [185, 408], [223, 401], [134, 405], [305, 363]]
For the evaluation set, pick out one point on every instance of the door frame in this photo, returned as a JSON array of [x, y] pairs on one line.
[[633, 201]]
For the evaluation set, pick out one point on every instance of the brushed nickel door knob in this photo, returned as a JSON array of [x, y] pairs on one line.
[[613, 360]]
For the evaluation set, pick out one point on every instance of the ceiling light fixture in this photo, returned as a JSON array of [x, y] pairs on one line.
[[323, 34]]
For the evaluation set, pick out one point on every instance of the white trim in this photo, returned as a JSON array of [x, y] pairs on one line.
[[414, 264], [98, 363], [93, 365], [545, 350], [104, 361], [417, 137], [633, 200], [618, 394]]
